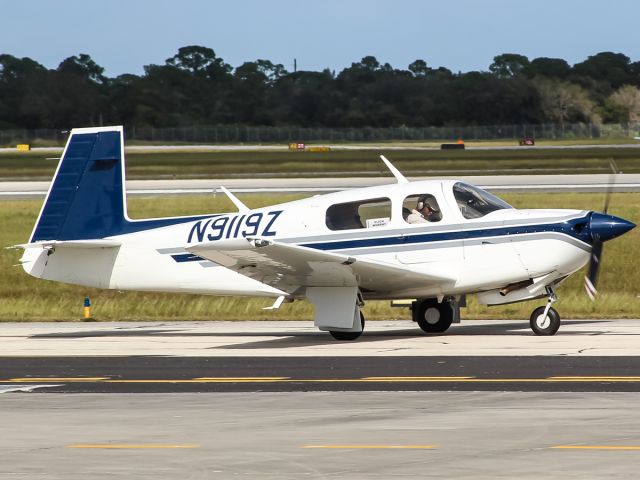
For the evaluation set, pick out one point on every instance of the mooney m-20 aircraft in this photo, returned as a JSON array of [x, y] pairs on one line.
[[430, 241]]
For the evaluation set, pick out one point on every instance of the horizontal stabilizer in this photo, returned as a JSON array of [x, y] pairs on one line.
[[70, 244]]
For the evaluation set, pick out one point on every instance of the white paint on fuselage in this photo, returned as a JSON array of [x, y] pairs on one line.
[[144, 260]]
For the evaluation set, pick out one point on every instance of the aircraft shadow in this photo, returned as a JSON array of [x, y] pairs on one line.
[[288, 339]]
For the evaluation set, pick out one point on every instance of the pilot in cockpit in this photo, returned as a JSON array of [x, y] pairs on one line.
[[426, 210]]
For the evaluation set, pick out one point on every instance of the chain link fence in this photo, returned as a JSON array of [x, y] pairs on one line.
[[244, 134]]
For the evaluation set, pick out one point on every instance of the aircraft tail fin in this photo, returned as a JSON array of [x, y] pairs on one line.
[[86, 199]]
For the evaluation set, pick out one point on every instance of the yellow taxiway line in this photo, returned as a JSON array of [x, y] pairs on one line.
[[399, 379]]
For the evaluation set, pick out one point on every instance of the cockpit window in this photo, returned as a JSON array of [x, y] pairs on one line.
[[474, 202], [421, 209], [362, 214]]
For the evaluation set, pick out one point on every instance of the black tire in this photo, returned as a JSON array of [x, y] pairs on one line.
[[433, 317], [547, 326], [348, 336]]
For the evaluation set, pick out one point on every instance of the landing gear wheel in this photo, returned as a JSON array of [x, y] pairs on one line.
[[548, 325], [433, 317], [348, 335]]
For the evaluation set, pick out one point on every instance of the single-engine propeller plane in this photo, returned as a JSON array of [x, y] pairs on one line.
[[431, 241]]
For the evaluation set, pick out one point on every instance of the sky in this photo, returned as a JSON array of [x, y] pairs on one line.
[[463, 35]]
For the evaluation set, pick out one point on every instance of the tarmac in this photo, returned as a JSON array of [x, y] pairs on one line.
[[280, 400], [393, 338]]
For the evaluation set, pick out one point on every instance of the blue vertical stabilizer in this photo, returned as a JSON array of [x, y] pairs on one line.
[[87, 198]]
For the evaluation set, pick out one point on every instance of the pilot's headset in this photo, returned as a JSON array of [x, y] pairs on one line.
[[425, 200]]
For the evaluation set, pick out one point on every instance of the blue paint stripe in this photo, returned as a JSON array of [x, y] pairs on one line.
[[187, 257], [567, 228]]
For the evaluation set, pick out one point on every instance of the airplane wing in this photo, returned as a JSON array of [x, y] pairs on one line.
[[285, 265]]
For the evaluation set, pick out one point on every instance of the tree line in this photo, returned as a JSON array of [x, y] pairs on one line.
[[196, 87]]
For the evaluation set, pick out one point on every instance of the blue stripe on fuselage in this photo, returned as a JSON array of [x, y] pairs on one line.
[[567, 228]]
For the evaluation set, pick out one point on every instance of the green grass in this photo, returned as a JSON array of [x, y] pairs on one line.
[[23, 298], [604, 140], [209, 164]]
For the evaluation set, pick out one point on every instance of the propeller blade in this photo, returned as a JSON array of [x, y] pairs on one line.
[[591, 280]]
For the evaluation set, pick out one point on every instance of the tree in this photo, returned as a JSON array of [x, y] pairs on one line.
[[627, 101], [261, 71], [548, 67], [83, 66], [13, 68], [564, 101], [199, 61], [508, 64], [419, 68], [24, 93], [611, 68]]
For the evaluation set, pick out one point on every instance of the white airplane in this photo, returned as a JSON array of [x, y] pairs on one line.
[[433, 241]]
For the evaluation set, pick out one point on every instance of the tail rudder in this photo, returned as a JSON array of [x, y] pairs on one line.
[[86, 199]]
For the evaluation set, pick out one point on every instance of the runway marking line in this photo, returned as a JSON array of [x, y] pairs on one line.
[[415, 379], [385, 379], [120, 446], [599, 378], [205, 380], [596, 447], [371, 447]]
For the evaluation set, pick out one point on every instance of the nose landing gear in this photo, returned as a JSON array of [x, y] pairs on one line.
[[546, 320]]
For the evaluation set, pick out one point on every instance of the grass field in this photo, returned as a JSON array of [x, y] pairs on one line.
[[209, 164], [24, 298], [604, 140]]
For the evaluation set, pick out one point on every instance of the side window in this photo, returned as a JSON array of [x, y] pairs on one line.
[[361, 214], [421, 208]]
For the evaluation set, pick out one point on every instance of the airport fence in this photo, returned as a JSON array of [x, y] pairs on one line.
[[246, 134]]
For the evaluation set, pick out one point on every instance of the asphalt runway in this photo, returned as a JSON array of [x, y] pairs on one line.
[[320, 374], [279, 400], [498, 183]]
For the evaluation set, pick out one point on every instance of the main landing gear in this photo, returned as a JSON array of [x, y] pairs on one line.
[[431, 316], [546, 320], [348, 335]]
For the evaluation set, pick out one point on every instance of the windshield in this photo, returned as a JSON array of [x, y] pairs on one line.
[[474, 202]]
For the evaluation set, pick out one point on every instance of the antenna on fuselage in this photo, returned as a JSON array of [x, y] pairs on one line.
[[396, 173], [241, 206]]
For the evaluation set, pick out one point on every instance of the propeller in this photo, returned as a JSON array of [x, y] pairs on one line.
[[591, 280]]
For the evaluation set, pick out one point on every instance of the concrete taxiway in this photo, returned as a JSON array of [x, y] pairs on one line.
[[279, 400], [397, 338], [346, 435]]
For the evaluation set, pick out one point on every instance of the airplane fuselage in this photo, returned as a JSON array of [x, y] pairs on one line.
[[504, 247]]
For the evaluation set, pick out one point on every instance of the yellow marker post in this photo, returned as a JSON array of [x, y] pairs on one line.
[[87, 309]]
